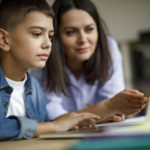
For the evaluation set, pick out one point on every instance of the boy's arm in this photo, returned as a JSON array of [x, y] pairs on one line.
[[23, 128], [66, 122]]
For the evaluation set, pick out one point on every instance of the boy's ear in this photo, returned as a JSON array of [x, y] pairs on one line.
[[4, 41]]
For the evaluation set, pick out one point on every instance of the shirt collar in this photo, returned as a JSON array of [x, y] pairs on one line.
[[4, 83], [28, 85], [73, 79]]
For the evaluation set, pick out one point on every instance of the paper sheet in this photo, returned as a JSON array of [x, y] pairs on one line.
[[129, 121]]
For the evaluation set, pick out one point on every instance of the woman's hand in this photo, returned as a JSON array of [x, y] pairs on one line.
[[128, 102], [113, 118]]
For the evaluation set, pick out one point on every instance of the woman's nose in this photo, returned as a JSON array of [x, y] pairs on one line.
[[82, 37]]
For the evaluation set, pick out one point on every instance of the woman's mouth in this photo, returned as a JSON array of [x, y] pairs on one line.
[[82, 50]]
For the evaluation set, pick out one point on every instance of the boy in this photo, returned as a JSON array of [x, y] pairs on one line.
[[26, 29]]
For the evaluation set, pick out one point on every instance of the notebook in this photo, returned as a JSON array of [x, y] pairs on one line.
[[123, 143], [108, 129], [132, 137]]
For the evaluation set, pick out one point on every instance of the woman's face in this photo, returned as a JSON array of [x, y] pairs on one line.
[[79, 35]]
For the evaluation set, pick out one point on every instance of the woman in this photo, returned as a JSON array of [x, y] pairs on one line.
[[92, 66]]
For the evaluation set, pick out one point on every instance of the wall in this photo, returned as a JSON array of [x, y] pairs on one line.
[[124, 18]]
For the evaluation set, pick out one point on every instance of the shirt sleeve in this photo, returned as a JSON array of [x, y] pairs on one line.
[[54, 105], [28, 128], [14, 128], [115, 82]]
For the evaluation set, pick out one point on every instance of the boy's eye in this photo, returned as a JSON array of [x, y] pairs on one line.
[[36, 34], [50, 37]]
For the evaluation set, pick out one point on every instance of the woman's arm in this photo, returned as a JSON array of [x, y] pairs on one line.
[[127, 102]]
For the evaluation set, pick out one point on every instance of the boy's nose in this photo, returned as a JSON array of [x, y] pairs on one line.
[[47, 43]]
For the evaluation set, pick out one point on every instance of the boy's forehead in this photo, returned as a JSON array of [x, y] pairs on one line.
[[35, 18], [37, 15]]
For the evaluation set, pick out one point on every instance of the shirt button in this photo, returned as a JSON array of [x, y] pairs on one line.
[[5, 104], [28, 90], [8, 89]]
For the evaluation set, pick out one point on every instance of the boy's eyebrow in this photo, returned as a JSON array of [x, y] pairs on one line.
[[41, 28]]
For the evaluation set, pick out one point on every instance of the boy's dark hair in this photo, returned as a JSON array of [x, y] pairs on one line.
[[12, 12], [98, 66]]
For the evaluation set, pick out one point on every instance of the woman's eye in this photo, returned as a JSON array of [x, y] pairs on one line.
[[90, 29], [70, 32]]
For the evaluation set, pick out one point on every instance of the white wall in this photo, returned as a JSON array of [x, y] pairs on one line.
[[124, 18]]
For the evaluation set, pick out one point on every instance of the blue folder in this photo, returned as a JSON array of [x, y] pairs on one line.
[[116, 143]]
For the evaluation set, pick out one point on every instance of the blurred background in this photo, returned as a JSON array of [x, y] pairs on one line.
[[128, 22]]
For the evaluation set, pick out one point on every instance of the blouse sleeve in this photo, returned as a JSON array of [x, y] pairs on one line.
[[54, 105], [115, 82]]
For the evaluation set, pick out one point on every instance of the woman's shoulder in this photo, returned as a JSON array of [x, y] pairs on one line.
[[113, 47], [111, 42]]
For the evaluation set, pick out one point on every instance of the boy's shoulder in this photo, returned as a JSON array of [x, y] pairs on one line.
[[32, 78], [33, 83]]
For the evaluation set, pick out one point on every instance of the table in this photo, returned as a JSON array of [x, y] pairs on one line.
[[38, 144]]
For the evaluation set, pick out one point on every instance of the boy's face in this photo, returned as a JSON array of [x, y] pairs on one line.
[[30, 42]]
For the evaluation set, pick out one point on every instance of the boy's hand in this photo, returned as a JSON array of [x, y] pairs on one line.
[[128, 102], [75, 119]]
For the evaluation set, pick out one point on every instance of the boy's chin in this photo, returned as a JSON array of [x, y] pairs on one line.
[[40, 66]]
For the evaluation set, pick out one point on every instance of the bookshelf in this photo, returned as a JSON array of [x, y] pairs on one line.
[[136, 63]]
